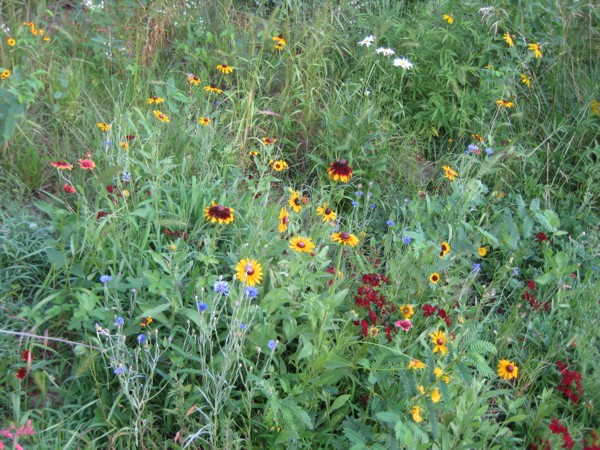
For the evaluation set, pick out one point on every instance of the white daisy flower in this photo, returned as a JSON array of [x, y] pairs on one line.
[[368, 41], [403, 62], [385, 51]]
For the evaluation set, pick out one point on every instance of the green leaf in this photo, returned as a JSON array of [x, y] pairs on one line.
[[545, 279], [339, 402]]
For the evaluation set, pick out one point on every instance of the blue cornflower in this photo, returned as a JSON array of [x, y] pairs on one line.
[[476, 267], [355, 203], [243, 326], [358, 193], [406, 240], [119, 321], [222, 287], [516, 272], [372, 206], [489, 150], [251, 292], [120, 370], [595, 268], [105, 279], [107, 143], [472, 148], [126, 177], [201, 306], [390, 223], [141, 338], [272, 344]]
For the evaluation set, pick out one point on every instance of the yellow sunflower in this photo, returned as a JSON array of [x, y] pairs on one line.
[[328, 214], [525, 80], [11, 42], [103, 126], [224, 68], [448, 18], [445, 249], [161, 116], [268, 140], [449, 173], [505, 103], [155, 100], [345, 238], [536, 49], [249, 271], [302, 244], [439, 342], [434, 278], [205, 121]]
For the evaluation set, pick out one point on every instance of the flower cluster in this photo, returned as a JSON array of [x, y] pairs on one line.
[[398, 62], [430, 310], [558, 428], [568, 378], [380, 311], [529, 295]]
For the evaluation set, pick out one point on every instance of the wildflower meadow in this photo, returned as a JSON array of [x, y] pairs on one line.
[[299, 224]]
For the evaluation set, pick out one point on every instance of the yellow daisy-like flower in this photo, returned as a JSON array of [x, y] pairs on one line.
[[416, 364], [155, 100], [46, 38], [295, 202], [525, 80], [249, 271], [449, 173], [345, 238], [407, 311], [448, 18], [161, 116], [421, 389], [205, 121], [268, 140], [11, 42], [5, 74], [508, 39], [219, 213], [193, 79], [279, 47], [224, 68], [103, 126], [536, 49], [145, 321], [505, 103], [124, 145], [445, 249], [434, 277], [328, 214], [279, 40], [595, 106], [340, 171], [439, 342], [213, 88], [507, 370], [482, 251], [279, 165], [125, 194], [284, 219], [416, 414], [436, 396], [439, 374], [302, 244]]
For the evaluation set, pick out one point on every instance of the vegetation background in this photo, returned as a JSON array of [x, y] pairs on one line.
[[465, 317]]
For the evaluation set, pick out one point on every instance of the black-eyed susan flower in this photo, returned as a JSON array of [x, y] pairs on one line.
[[407, 311], [145, 321], [11, 42], [445, 249], [61, 165], [219, 213], [525, 80], [253, 153], [279, 165], [193, 79], [340, 171], [224, 68], [482, 251], [268, 140], [278, 47], [87, 164], [279, 40], [284, 219], [448, 18], [508, 39], [536, 49], [5, 74], [124, 145], [439, 374], [103, 126], [155, 100], [295, 202], [161, 116], [507, 370], [434, 278], [505, 103], [249, 272], [416, 414], [438, 339], [205, 121], [415, 364], [302, 244], [449, 173], [328, 214], [436, 396], [213, 88], [345, 238]]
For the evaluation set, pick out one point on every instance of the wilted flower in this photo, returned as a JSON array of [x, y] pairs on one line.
[[68, 189]]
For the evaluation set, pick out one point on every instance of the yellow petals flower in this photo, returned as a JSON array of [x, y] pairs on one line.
[[449, 173], [595, 106], [284, 219], [268, 140], [161, 116], [11, 42], [340, 171], [103, 126], [124, 145], [295, 202], [508, 39], [416, 364], [448, 18], [5, 74], [421, 389], [125, 194], [416, 414], [436, 396], [445, 249], [224, 68], [155, 100], [505, 103], [46, 38], [249, 271], [193, 79], [439, 374], [345, 238], [204, 121], [407, 311], [536, 49], [434, 277], [279, 165], [525, 80], [439, 342], [328, 214], [302, 244], [219, 213], [507, 370], [145, 321], [279, 40], [482, 251], [213, 88]]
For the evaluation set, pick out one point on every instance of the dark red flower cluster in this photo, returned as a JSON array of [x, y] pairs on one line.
[[595, 445], [558, 428], [534, 304], [27, 357], [543, 445], [176, 234], [541, 237], [101, 214], [430, 310], [568, 378], [379, 310]]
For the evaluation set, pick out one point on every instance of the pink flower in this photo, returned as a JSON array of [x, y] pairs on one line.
[[404, 324]]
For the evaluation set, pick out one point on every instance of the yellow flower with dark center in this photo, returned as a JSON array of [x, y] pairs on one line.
[[439, 374], [436, 396], [340, 171], [507, 370], [279, 40], [536, 49], [11, 42], [103, 126], [219, 213], [155, 100], [416, 364], [445, 249], [193, 79], [279, 165], [295, 202], [416, 414], [213, 88], [253, 154], [448, 18], [407, 311], [508, 39], [434, 277], [328, 214], [595, 106], [525, 80], [279, 47], [46, 38], [249, 271], [145, 321], [268, 140], [302, 244], [449, 173], [477, 137], [161, 116], [284, 219], [482, 251], [345, 238], [439, 342], [5, 74], [505, 103], [124, 145], [224, 68], [205, 121], [61, 165]]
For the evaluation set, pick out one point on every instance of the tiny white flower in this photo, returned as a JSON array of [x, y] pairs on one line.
[[403, 62], [368, 41], [385, 51]]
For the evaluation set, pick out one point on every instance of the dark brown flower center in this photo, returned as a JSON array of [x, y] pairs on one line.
[[301, 244], [510, 368], [213, 86], [250, 272], [328, 211], [224, 66], [440, 342], [297, 201], [285, 220], [345, 235]]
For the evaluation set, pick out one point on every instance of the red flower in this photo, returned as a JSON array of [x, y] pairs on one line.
[[21, 373], [541, 237], [429, 310], [556, 427], [101, 214], [61, 165], [27, 356], [87, 164], [531, 285], [340, 171], [68, 189], [568, 378]]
